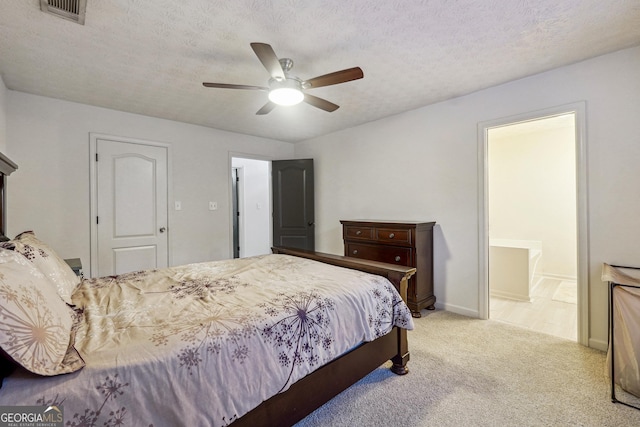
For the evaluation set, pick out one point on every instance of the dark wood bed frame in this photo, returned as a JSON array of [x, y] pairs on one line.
[[317, 388], [7, 167]]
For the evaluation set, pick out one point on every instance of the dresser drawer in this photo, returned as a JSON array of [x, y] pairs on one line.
[[390, 254], [358, 232], [405, 243], [393, 235]]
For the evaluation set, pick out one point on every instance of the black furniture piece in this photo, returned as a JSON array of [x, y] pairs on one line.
[[608, 272], [76, 265]]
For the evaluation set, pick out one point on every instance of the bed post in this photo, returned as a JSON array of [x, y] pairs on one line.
[[399, 367]]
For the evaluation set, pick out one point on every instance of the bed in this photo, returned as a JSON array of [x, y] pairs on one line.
[[256, 341]]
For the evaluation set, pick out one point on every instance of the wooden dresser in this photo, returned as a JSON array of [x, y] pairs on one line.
[[396, 242]]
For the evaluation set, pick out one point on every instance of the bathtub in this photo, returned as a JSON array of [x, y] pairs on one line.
[[512, 267]]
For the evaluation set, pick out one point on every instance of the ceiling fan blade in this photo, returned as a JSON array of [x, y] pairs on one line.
[[232, 86], [266, 109], [335, 78], [320, 103], [268, 57]]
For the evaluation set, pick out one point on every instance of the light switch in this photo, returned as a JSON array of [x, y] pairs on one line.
[[213, 206], [178, 205]]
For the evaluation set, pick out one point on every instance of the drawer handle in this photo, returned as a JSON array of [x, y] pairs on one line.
[[398, 258], [392, 235], [358, 233], [355, 252]]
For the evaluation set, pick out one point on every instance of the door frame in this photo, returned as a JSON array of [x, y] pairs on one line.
[[239, 205], [240, 155], [93, 191], [579, 109]]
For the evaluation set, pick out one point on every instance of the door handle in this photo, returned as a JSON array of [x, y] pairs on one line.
[[163, 229], [310, 223]]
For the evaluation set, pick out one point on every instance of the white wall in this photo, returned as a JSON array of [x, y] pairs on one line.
[[419, 165], [255, 208], [423, 164], [49, 140], [3, 117], [532, 193]]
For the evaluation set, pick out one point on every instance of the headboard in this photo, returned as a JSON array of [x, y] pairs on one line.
[[6, 168]]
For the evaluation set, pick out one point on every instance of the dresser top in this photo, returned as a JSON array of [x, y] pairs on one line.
[[373, 222]]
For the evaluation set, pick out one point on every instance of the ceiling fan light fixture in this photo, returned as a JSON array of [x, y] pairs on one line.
[[286, 96], [286, 89], [287, 92]]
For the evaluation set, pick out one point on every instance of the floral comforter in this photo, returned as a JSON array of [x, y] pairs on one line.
[[203, 344]]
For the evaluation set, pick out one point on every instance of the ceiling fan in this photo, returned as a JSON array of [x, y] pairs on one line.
[[286, 89]]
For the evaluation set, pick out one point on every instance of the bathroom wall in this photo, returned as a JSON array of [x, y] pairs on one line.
[[532, 189]]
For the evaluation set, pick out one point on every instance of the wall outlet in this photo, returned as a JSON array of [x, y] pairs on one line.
[[178, 205], [213, 206]]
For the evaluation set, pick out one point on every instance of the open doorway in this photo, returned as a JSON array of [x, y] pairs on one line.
[[251, 207], [532, 225], [577, 111], [266, 208]]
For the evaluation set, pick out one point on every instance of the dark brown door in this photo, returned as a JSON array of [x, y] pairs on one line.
[[293, 206]]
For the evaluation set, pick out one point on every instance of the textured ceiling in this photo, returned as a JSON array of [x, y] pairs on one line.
[[151, 56]]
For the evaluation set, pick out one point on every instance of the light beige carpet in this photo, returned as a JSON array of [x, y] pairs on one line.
[[470, 372]]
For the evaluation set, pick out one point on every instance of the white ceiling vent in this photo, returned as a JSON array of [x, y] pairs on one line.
[[72, 10]]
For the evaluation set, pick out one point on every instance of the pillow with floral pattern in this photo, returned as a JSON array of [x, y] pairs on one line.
[[48, 262], [35, 324]]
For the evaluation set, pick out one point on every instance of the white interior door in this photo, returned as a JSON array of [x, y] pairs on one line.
[[131, 212]]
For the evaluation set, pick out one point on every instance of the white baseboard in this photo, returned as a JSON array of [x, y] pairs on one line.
[[557, 276], [510, 295], [458, 310], [598, 344]]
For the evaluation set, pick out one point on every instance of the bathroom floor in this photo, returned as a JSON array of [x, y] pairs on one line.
[[553, 309]]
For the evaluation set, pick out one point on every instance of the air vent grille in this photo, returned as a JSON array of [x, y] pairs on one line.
[[72, 10]]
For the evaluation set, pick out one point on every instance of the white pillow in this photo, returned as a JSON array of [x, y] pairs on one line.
[[35, 324], [48, 262]]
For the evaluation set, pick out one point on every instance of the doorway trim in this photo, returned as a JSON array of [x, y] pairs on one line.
[[579, 109], [93, 191], [238, 206]]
